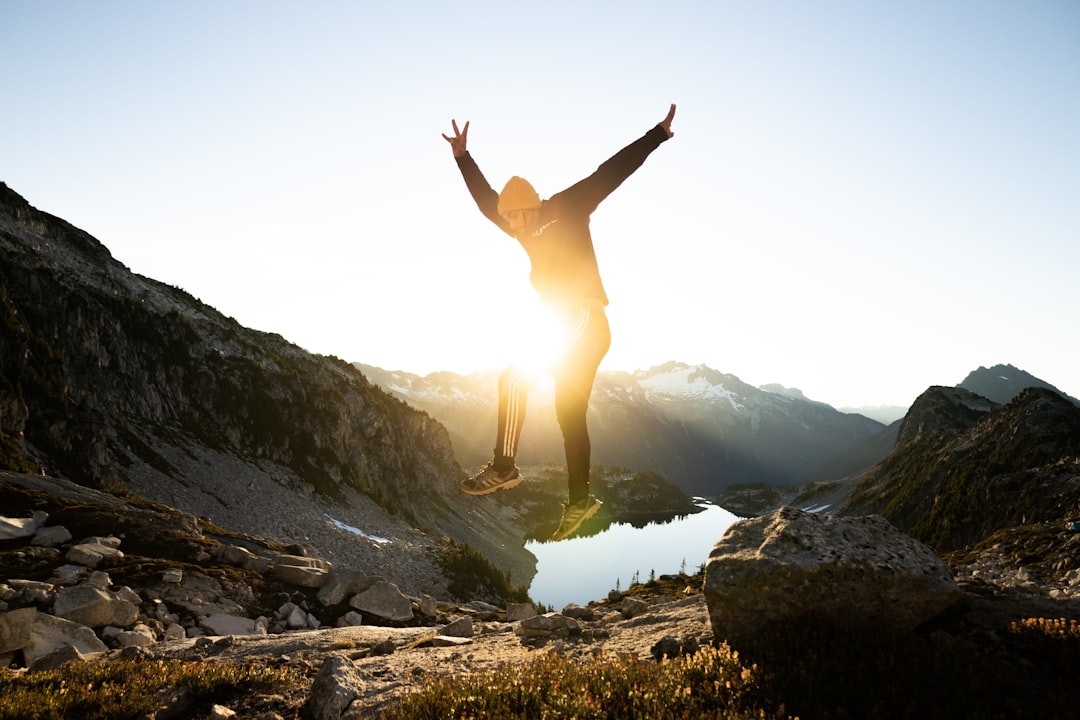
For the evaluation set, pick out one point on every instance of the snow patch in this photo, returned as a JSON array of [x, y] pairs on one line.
[[356, 531]]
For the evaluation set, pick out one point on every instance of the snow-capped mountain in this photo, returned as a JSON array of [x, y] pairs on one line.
[[701, 429]]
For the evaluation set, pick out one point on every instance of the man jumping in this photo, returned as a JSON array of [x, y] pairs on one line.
[[555, 234]]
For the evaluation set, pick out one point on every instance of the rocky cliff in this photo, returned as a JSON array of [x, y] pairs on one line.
[[964, 467], [117, 381]]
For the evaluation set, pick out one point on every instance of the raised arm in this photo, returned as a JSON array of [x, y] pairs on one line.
[[665, 123], [460, 140]]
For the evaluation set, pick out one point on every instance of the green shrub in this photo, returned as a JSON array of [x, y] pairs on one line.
[[472, 576], [122, 690], [709, 684]]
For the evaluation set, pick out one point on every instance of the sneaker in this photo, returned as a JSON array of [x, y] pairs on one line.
[[488, 480], [574, 516]]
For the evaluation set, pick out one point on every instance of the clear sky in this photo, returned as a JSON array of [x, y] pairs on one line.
[[862, 199]]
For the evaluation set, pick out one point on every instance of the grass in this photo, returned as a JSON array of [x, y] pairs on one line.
[[709, 684], [818, 667], [128, 690]]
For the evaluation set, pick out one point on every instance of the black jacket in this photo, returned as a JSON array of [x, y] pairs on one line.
[[564, 270]]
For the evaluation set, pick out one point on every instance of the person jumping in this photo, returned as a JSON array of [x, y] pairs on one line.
[[555, 235]]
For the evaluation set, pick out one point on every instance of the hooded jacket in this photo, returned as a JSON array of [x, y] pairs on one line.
[[564, 270]]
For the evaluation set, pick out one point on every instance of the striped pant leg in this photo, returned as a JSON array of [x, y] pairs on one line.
[[514, 386]]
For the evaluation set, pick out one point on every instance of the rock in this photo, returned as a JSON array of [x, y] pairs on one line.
[[631, 606], [175, 632], [350, 619], [94, 607], [69, 574], [462, 627], [545, 626], [220, 712], [334, 689], [429, 606], [138, 636], [786, 566], [579, 612], [92, 551], [243, 558], [339, 585], [301, 571], [384, 600], [51, 536], [174, 576], [32, 592], [670, 646], [13, 528], [297, 618], [57, 659], [449, 641], [15, 629], [49, 634], [222, 624], [519, 611], [99, 579]]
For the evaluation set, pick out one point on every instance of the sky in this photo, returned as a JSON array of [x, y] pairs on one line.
[[861, 199]]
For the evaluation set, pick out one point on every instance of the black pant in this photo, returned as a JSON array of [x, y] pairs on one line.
[[586, 341]]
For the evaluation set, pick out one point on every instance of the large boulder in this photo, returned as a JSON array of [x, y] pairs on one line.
[[49, 634], [788, 567], [95, 607], [384, 600]]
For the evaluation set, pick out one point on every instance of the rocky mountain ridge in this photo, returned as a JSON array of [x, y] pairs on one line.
[[964, 466], [114, 380], [699, 428]]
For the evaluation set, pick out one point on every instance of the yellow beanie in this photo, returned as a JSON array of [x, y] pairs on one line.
[[518, 194]]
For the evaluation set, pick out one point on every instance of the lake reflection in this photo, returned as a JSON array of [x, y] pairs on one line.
[[583, 569]]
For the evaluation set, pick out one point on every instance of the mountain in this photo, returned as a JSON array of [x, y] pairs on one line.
[[1001, 383], [120, 382], [965, 466], [701, 429]]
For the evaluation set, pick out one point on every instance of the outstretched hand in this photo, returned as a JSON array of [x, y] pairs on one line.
[[459, 141], [665, 123]]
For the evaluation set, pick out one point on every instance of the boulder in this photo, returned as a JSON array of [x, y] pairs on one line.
[[243, 558], [519, 611], [12, 528], [51, 536], [384, 600], [222, 624], [770, 571], [340, 584], [546, 626], [49, 634], [15, 629], [301, 571], [94, 607], [461, 627], [92, 551], [334, 689]]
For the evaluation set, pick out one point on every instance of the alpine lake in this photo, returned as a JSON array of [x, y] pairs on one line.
[[586, 568]]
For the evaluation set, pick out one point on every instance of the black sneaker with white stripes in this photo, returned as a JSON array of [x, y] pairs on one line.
[[490, 480]]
